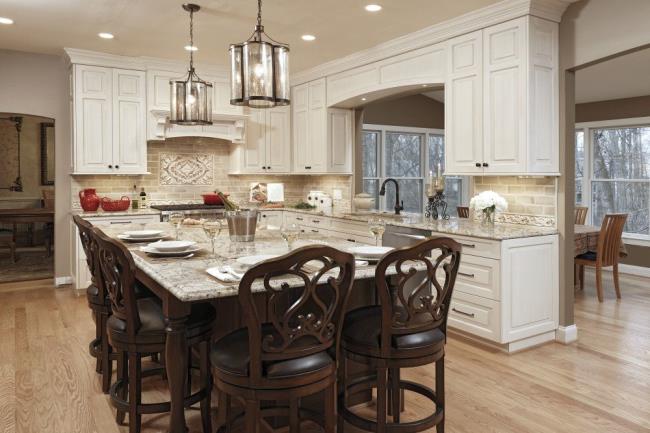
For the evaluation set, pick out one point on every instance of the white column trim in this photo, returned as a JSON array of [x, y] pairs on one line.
[[566, 334]]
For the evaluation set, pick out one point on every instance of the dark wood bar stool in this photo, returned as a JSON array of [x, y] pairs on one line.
[[294, 353], [99, 304], [137, 328], [407, 329], [463, 211]]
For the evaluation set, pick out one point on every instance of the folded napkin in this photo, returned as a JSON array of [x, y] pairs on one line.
[[225, 274]]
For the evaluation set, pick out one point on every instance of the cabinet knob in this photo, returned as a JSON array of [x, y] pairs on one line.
[[110, 165], [478, 164], [268, 168], [263, 167], [117, 166], [485, 164]]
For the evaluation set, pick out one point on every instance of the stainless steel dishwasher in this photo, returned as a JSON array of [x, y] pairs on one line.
[[399, 237]]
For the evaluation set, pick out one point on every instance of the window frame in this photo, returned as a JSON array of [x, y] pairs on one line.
[[382, 130], [588, 171]]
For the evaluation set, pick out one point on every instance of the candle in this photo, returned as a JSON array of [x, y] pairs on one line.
[[438, 174]]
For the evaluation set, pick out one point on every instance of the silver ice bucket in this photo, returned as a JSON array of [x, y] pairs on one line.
[[242, 224]]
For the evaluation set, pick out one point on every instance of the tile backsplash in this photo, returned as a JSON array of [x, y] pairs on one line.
[[531, 199], [184, 168]]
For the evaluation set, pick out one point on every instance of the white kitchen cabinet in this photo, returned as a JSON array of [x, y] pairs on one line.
[[272, 220], [322, 138], [501, 115], [109, 121], [267, 148]]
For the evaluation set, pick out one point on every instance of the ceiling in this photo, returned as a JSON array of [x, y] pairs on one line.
[[159, 28], [622, 77]]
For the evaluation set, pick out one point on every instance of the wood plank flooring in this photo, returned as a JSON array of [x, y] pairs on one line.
[[599, 384]]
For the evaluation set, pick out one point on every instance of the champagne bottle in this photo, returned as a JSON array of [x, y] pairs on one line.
[[143, 199]]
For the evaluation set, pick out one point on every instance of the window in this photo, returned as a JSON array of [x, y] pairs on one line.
[[613, 171], [405, 154]]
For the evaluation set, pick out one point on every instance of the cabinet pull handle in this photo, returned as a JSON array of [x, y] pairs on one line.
[[307, 167], [121, 222], [315, 231], [468, 245], [462, 312], [478, 164], [485, 164], [315, 221], [351, 240], [466, 275], [299, 219]]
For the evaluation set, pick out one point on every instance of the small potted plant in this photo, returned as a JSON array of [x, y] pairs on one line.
[[488, 202]]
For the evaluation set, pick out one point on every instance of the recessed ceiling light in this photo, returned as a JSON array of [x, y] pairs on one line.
[[425, 85], [104, 35], [4, 20], [364, 99], [308, 37], [191, 48], [373, 8]]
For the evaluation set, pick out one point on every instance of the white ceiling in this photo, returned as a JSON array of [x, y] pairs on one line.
[[159, 28], [622, 77]]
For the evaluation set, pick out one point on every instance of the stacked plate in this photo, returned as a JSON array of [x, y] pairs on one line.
[[171, 248], [141, 235], [369, 253]]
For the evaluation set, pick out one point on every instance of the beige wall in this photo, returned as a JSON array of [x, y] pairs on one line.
[[37, 84], [416, 111], [614, 109]]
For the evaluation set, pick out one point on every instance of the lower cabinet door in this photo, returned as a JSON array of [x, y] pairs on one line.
[[475, 315]]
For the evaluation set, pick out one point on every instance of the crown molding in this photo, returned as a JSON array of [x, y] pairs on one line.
[[497, 13]]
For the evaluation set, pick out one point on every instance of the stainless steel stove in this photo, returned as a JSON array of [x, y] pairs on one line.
[[191, 210]]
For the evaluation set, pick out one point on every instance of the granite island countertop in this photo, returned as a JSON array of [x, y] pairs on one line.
[[99, 213], [452, 226]]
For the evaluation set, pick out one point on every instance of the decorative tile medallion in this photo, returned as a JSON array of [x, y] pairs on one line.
[[186, 169]]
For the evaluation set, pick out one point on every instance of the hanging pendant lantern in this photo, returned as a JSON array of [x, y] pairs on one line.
[[259, 70], [191, 97]]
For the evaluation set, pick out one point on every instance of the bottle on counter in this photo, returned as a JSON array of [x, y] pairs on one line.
[[143, 199], [134, 198]]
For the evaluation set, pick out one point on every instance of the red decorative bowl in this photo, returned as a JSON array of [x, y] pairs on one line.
[[110, 205], [212, 199]]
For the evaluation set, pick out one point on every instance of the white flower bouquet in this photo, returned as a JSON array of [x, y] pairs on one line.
[[488, 202]]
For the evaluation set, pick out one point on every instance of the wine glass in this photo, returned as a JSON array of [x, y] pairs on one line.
[[212, 229], [290, 234], [377, 228], [176, 219]]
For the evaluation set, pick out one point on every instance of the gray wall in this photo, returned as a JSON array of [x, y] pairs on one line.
[[416, 111]]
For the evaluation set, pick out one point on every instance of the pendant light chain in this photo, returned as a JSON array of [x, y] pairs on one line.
[[192, 40]]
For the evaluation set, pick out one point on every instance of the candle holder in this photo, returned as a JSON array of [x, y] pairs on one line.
[[436, 202]]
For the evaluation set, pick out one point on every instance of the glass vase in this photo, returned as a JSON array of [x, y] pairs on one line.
[[488, 216]]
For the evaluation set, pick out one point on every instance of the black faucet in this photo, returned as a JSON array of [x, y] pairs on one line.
[[398, 207]]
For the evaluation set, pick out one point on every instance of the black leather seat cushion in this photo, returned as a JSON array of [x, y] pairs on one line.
[[363, 327], [153, 321], [589, 255], [230, 354], [92, 294]]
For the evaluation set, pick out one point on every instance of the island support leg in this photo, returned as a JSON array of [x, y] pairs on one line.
[[176, 315]]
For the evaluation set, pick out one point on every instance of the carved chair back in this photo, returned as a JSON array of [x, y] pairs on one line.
[[609, 239], [416, 300], [118, 274], [307, 292], [89, 246], [581, 214], [463, 211]]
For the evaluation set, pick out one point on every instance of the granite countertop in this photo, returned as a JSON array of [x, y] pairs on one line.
[[100, 213], [187, 279], [452, 226]]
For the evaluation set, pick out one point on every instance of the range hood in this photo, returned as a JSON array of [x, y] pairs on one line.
[[229, 127]]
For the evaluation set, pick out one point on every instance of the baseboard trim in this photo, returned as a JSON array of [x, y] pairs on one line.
[[566, 334], [637, 271], [510, 348], [62, 281]]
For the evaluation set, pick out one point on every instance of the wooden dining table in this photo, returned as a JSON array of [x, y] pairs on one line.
[[586, 239], [28, 216], [180, 282]]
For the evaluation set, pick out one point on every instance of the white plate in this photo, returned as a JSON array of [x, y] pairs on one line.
[[172, 246], [369, 252], [130, 239], [153, 251], [249, 261], [143, 233]]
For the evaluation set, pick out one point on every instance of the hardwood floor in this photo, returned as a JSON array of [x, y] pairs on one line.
[[599, 384]]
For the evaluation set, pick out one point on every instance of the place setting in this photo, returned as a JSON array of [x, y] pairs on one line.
[[171, 249], [138, 236]]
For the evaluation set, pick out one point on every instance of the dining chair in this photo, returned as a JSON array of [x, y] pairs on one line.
[[463, 211], [606, 255], [581, 214], [294, 353], [136, 328], [407, 329]]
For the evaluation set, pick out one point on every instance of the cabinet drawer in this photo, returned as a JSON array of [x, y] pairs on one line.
[[314, 221], [478, 276], [475, 315], [123, 220], [476, 246], [272, 220], [350, 227], [352, 237]]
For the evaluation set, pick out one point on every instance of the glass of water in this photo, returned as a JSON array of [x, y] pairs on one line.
[[377, 228], [212, 229], [176, 219], [290, 234]]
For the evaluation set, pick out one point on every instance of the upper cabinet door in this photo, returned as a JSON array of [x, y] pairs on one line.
[[278, 140], [340, 136], [93, 112], [300, 128], [464, 105], [129, 102], [505, 104], [317, 126], [221, 97], [255, 145]]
